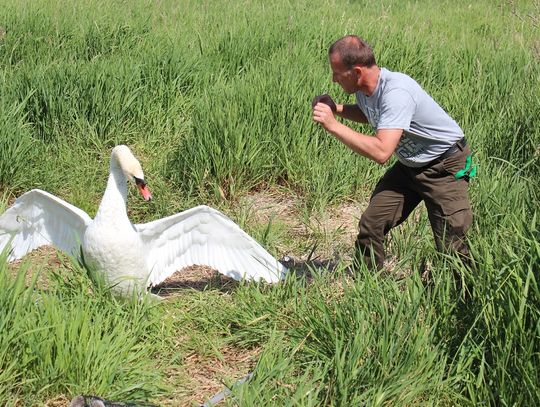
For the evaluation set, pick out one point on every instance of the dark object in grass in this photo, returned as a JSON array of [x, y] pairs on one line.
[[326, 99], [94, 401]]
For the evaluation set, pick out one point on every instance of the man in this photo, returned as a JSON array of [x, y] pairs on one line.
[[433, 159]]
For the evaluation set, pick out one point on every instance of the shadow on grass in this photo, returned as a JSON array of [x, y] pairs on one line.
[[308, 269], [199, 278]]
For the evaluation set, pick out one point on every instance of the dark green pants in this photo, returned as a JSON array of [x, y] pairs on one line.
[[401, 189]]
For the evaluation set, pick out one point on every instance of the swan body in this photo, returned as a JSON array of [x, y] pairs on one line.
[[134, 256]]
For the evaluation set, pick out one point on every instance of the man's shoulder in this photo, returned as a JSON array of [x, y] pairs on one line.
[[398, 80], [401, 86]]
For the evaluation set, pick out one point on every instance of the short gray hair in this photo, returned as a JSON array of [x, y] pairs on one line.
[[353, 50]]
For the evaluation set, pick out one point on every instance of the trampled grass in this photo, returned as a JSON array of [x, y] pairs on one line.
[[214, 97]]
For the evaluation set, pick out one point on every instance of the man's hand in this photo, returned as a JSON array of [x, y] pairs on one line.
[[323, 114]]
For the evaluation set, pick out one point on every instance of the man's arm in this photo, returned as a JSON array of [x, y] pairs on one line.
[[378, 148], [351, 112]]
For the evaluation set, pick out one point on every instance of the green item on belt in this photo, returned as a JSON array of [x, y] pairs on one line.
[[467, 171]]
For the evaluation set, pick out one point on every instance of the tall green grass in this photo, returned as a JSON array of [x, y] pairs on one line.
[[214, 98], [232, 104], [73, 339]]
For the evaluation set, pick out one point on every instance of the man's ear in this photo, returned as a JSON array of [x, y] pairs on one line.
[[358, 70]]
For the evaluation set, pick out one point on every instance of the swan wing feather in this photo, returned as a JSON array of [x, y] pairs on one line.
[[205, 236], [38, 218]]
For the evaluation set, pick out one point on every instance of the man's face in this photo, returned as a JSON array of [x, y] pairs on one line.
[[347, 78]]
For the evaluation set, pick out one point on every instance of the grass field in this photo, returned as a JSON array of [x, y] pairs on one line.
[[214, 98]]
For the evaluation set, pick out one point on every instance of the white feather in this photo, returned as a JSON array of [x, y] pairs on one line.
[[135, 256], [38, 218], [205, 236]]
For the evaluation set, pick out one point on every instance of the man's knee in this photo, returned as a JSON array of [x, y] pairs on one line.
[[450, 234], [450, 223]]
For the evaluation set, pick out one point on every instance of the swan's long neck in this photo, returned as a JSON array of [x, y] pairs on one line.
[[112, 208]]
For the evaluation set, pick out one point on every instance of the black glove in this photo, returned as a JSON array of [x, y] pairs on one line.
[[326, 99]]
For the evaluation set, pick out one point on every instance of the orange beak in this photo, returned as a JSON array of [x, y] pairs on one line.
[[145, 192]]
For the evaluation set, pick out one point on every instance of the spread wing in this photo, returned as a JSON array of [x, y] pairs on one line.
[[38, 218], [205, 236]]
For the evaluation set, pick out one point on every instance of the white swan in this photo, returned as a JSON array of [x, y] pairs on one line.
[[134, 255]]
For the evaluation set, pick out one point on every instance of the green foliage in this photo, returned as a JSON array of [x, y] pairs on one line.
[[16, 146], [72, 339]]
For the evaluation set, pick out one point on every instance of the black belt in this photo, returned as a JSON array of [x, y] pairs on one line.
[[459, 146]]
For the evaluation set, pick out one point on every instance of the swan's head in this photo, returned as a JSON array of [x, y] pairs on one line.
[[123, 158]]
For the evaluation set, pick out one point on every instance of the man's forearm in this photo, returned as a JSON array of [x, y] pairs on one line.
[[360, 143], [351, 112], [372, 147]]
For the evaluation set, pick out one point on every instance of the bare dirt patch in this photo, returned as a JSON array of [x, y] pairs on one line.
[[201, 377], [41, 261], [326, 236], [59, 401]]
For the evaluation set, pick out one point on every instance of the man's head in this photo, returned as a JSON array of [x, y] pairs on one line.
[[350, 57]]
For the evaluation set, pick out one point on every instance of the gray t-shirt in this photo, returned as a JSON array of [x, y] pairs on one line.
[[400, 103]]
